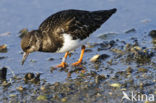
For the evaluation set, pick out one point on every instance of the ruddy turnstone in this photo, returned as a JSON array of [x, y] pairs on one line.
[[64, 31]]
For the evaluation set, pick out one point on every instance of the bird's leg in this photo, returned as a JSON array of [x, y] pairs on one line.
[[81, 56], [63, 63]]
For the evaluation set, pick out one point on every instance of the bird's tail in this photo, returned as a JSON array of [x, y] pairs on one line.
[[103, 15]]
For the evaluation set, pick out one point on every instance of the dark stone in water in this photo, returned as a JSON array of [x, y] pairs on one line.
[[103, 56], [130, 31], [3, 73], [29, 76], [152, 33]]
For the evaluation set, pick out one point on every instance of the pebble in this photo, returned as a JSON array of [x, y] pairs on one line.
[[95, 58], [3, 48], [64, 99], [142, 70], [130, 31], [3, 73], [41, 98], [129, 70], [29, 76], [152, 33], [117, 85], [98, 57], [20, 88]]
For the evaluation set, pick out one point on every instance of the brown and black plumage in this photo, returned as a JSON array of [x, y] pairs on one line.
[[64, 31]]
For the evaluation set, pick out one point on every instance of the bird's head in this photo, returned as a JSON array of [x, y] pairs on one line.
[[30, 43]]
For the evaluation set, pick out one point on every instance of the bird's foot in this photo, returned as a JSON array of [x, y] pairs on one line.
[[62, 65], [76, 63]]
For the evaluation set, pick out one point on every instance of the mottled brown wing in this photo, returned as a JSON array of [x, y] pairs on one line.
[[77, 23]]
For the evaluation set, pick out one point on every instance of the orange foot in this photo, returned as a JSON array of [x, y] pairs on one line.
[[62, 65], [76, 63]]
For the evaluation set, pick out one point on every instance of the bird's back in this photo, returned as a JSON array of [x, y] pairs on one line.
[[78, 23]]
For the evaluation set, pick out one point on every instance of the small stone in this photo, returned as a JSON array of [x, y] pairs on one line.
[[3, 48], [41, 98], [142, 70], [129, 70], [130, 30], [88, 50], [33, 61], [43, 88], [20, 88], [50, 59], [3, 73], [110, 93], [118, 51], [5, 83], [141, 85], [3, 57], [107, 35], [98, 95], [98, 57], [103, 56], [64, 99], [117, 85], [99, 78], [29, 76], [95, 58], [12, 95], [152, 33]]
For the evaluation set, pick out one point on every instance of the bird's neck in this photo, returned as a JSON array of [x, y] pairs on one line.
[[50, 43], [38, 38]]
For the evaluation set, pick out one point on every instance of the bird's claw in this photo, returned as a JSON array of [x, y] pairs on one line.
[[76, 63], [62, 65]]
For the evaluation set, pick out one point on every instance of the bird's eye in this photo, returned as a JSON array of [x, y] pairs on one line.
[[28, 47]]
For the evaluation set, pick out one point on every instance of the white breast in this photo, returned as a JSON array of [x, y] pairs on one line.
[[70, 44]]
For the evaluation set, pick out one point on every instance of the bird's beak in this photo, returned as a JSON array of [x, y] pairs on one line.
[[25, 55]]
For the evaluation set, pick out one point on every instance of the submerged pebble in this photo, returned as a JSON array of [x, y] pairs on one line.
[[107, 35], [117, 85], [31, 77], [3, 73], [50, 59], [41, 98], [152, 33], [98, 57], [20, 88], [3, 48], [95, 58], [142, 69], [130, 30], [99, 78], [129, 70], [3, 57]]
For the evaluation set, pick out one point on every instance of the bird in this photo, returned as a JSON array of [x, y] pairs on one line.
[[63, 32]]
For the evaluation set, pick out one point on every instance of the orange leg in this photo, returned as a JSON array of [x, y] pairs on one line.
[[81, 56], [63, 63]]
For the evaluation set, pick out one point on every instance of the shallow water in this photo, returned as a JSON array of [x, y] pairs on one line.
[[18, 14]]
